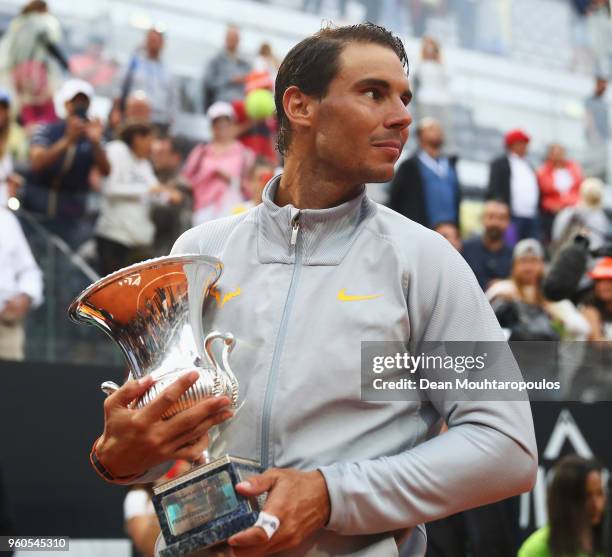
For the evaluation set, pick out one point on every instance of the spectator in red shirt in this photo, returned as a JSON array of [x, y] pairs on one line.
[[559, 179]]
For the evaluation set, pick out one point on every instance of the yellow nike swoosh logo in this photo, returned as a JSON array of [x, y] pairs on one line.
[[221, 302], [344, 297]]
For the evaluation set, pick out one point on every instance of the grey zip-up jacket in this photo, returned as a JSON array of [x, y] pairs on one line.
[[300, 290]]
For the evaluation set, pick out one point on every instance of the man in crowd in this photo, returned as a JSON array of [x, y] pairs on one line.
[[426, 188], [62, 155], [343, 476], [226, 73], [513, 181], [171, 219], [21, 286], [146, 72], [488, 254]]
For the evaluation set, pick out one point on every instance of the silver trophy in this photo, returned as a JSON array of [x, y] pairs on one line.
[[154, 312]]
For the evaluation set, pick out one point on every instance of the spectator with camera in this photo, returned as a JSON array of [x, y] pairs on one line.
[[521, 307], [62, 156]]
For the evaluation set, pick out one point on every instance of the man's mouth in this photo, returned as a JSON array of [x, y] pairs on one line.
[[390, 146]]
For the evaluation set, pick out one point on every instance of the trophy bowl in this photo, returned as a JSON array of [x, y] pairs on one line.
[[154, 312]]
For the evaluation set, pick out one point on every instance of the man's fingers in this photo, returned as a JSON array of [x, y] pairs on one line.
[[256, 485], [251, 536], [128, 392], [192, 417], [170, 395], [191, 452], [201, 429]]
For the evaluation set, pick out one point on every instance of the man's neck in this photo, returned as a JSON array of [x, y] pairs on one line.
[[491, 244], [431, 151], [305, 185]]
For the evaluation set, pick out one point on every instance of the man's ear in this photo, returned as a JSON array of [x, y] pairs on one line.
[[299, 107]]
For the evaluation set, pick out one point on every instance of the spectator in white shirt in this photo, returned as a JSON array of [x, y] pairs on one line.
[[21, 286], [124, 230], [513, 181]]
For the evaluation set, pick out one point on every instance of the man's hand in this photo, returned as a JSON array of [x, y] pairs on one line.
[[15, 308], [298, 499], [75, 128], [136, 440], [94, 130]]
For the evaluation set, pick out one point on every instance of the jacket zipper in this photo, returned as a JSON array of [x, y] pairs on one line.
[[280, 340]]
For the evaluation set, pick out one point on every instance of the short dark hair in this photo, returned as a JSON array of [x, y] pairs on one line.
[[130, 129], [313, 63]]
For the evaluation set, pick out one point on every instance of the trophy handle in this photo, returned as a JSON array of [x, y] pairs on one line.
[[228, 345]]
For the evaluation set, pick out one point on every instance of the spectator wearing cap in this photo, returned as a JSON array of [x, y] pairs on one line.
[[62, 155], [488, 254], [513, 181], [30, 50], [21, 286], [219, 171], [426, 187], [124, 230], [559, 179], [525, 286], [226, 73], [12, 145], [597, 308], [147, 72], [587, 217]]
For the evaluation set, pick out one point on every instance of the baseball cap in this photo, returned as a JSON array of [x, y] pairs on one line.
[[528, 247], [516, 136], [220, 109], [74, 87], [602, 269]]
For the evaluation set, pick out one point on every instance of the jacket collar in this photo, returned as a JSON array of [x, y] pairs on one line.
[[324, 237]]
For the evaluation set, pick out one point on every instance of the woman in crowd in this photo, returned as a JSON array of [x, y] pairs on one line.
[[432, 90], [533, 313], [576, 504], [124, 230], [559, 179], [218, 172], [586, 217], [597, 308]]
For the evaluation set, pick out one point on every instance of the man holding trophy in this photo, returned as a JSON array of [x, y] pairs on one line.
[[307, 275]]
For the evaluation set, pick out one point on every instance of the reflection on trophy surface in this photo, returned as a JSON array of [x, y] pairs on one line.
[[153, 311]]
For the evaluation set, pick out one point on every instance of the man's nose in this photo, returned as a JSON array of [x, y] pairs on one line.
[[400, 118]]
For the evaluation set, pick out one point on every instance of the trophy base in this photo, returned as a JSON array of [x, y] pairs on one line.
[[201, 508]]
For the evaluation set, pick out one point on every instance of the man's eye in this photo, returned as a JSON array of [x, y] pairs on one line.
[[373, 94]]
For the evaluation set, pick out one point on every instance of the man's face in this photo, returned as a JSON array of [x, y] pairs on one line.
[[528, 269], [432, 136], [359, 128], [600, 87], [519, 148], [495, 220], [556, 154], [603, 290], [78, 105], [154, 43], [163, 157], [232, 38]]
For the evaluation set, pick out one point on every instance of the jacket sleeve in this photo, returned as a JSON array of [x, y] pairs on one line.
[[489, 451], [499, 181]]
